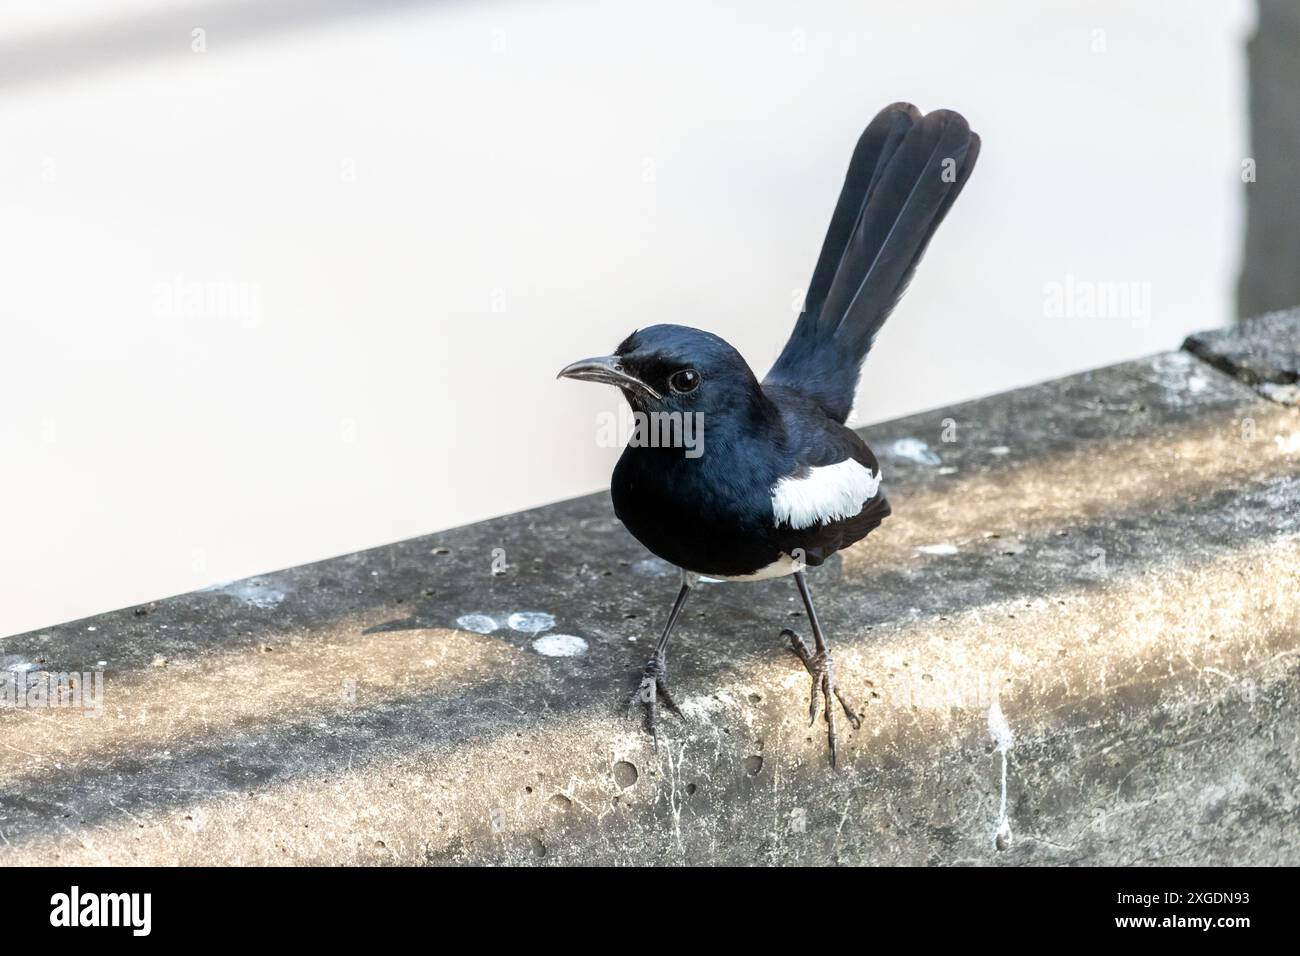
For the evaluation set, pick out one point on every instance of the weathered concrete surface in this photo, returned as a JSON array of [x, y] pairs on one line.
[[1113, 557], [1262, 352]]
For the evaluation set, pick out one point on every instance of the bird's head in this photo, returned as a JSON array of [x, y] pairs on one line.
[[672, 368]]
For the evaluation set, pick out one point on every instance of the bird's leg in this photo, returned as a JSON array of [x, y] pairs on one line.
[[819, 666], [654, 678]]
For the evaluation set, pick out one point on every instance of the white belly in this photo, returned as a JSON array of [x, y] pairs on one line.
[[786, 564]]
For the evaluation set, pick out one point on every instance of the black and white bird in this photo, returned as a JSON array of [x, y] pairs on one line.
[[778, 482]]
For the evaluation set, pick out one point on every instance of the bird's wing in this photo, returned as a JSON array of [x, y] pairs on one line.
[[904, 175], [824, 507], [834, 476], [829, 493]]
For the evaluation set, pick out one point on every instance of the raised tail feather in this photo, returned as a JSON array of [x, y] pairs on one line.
[[906, 171]]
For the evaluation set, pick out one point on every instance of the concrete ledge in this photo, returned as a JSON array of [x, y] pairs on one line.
[[1264, 353], [1112, 558]]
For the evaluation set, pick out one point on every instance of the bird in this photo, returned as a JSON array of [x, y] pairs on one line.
[[774, 482]]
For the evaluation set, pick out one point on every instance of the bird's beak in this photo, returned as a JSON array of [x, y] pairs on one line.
[[609, 370]]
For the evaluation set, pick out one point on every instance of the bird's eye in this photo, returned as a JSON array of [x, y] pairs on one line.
[[687, 380]]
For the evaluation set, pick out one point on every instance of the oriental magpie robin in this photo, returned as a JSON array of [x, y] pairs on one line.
[[781, 483]]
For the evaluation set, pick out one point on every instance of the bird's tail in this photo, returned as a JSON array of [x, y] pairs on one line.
[[905, 173]]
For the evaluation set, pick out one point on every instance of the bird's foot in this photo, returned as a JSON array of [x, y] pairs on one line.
[[654, 688], [823, 681]]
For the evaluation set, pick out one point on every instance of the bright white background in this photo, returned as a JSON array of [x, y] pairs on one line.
[[404, 218]]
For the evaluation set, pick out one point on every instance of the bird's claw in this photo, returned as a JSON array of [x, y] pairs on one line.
[[652, 689], [819, 665]]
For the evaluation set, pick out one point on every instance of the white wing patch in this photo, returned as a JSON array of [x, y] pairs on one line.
[[827, 493]]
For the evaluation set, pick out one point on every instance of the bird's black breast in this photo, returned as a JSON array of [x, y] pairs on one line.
[[696, 513]]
